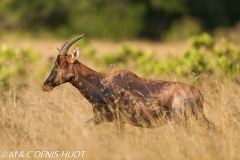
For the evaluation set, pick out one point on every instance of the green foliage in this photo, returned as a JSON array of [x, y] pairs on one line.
[[169, 6], [210, 57], [116, 19], [14, 64], [203, 57], [182, 29], [96, 18]]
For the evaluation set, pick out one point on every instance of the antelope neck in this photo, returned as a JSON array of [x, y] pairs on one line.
[[86, 80]]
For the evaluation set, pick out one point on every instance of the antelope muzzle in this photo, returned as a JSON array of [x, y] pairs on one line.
[[47, 87]]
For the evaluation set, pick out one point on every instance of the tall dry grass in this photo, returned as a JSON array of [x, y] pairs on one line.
[[54, 121]]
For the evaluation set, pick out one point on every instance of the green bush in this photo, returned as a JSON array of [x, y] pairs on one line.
[[14, 65], [203, 57]]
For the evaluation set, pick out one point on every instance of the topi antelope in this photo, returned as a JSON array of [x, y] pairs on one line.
[[123, 97]]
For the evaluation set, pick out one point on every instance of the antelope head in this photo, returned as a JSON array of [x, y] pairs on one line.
[[63, 70]]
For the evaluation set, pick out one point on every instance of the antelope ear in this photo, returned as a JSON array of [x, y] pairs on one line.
[[75, 53], [73, 57]]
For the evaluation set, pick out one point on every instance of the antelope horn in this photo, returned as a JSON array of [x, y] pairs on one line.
[[59, 50], [65, 47]]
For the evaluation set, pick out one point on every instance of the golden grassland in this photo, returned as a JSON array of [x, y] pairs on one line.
[[54, 121]]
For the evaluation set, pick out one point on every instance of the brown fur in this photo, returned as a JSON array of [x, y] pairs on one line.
[[123, 97]]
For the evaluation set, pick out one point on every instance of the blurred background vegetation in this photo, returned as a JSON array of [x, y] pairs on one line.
[[122, 19], [157, 20]]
